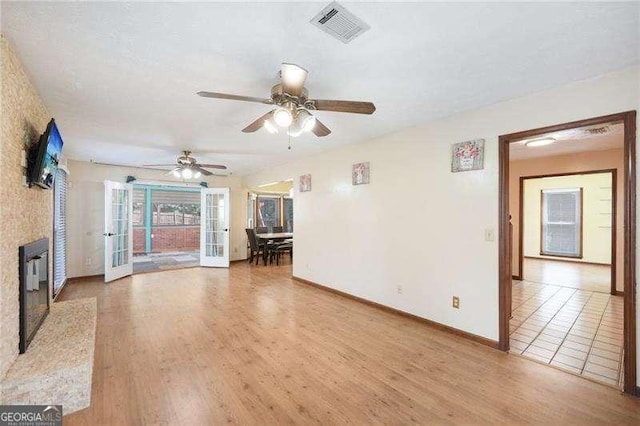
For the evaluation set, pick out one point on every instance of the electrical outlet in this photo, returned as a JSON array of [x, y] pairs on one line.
[[489, 234], [87, 261], [399, 288], [235, 249], [456, 302]]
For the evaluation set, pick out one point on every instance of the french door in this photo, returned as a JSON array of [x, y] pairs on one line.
[[118, 230], [214, 227]]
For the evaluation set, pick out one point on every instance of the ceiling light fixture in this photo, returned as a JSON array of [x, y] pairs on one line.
[[270, 127], [295, 130], [176, 173], [306, 119], [293, 75], [197, 175], [539, 142], [282, 117], [187, 173]]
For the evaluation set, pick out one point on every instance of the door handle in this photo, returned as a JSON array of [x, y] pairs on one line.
[[108, 234], [226, 229]]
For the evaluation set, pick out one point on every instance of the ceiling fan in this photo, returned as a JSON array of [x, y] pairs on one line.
[[187, 167], [293, 106]]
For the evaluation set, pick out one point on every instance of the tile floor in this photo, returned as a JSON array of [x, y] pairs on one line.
[[568, 274], [162, 261], [575, 330]]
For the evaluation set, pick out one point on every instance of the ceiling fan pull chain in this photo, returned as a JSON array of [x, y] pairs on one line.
[[289, 136]]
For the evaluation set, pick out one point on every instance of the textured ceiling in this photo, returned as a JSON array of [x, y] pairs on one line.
[[121, 78], [570, 141]]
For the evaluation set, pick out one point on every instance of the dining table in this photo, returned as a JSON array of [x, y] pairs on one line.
[[272, 236]]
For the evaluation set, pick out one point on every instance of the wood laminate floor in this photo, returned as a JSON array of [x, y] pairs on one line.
[[248, 345]]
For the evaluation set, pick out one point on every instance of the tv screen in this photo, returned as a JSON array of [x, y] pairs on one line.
[[46, 157]]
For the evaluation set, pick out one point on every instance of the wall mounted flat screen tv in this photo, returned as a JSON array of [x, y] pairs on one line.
[[45, 157]]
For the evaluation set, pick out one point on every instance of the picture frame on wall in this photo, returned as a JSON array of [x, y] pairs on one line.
[[305, 183], [467, 156], [360, 174]]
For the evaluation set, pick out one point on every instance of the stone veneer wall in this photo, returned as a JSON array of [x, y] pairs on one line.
[[25, 213]]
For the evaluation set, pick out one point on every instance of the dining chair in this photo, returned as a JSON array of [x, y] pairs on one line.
[[261, 230], [276, 229], [278, 250], [255, 247]]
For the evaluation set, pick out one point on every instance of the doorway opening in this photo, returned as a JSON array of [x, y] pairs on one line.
[[270, 223], [166, 227], [567, 247], [568, 223]]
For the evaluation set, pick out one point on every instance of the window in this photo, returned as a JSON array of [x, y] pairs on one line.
[[59, 231], [251, 210], [138, 206], [165, 219], [268, 211], [561, 222], [171, 208], [288, 214]]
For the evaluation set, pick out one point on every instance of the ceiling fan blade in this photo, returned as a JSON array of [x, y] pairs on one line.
[[234, 97], [159, 165], [344, 106], [320, 129], [213, 166], [177, 169], [293, 78], [258, 123], [201, 170]]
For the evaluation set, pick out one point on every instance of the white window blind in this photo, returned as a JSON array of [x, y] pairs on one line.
[[60, 231], [561, 227]]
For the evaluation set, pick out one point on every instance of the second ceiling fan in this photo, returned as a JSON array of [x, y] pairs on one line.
[[187, 167], [293, 106]]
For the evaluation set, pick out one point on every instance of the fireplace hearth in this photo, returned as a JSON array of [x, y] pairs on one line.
[[34, 289]]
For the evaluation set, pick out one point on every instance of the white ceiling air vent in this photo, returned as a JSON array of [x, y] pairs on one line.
[[338, 22]]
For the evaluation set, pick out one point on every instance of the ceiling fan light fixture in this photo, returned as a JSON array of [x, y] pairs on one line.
[[197, 175], [187, 173], [539, 142], [176, 173], [282, 117], [293, 75], [306, 120], [270, 127], [295, 130]]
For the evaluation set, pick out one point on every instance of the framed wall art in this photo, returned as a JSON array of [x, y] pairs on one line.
[[305, 183], [466, 156], [360, 174]]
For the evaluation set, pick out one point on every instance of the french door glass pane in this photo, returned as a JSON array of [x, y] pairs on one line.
[[214, 226], [120, 220]]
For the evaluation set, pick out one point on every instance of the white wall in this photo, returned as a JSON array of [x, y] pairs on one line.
[[417, 224], [596, 214], [86, 212]]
